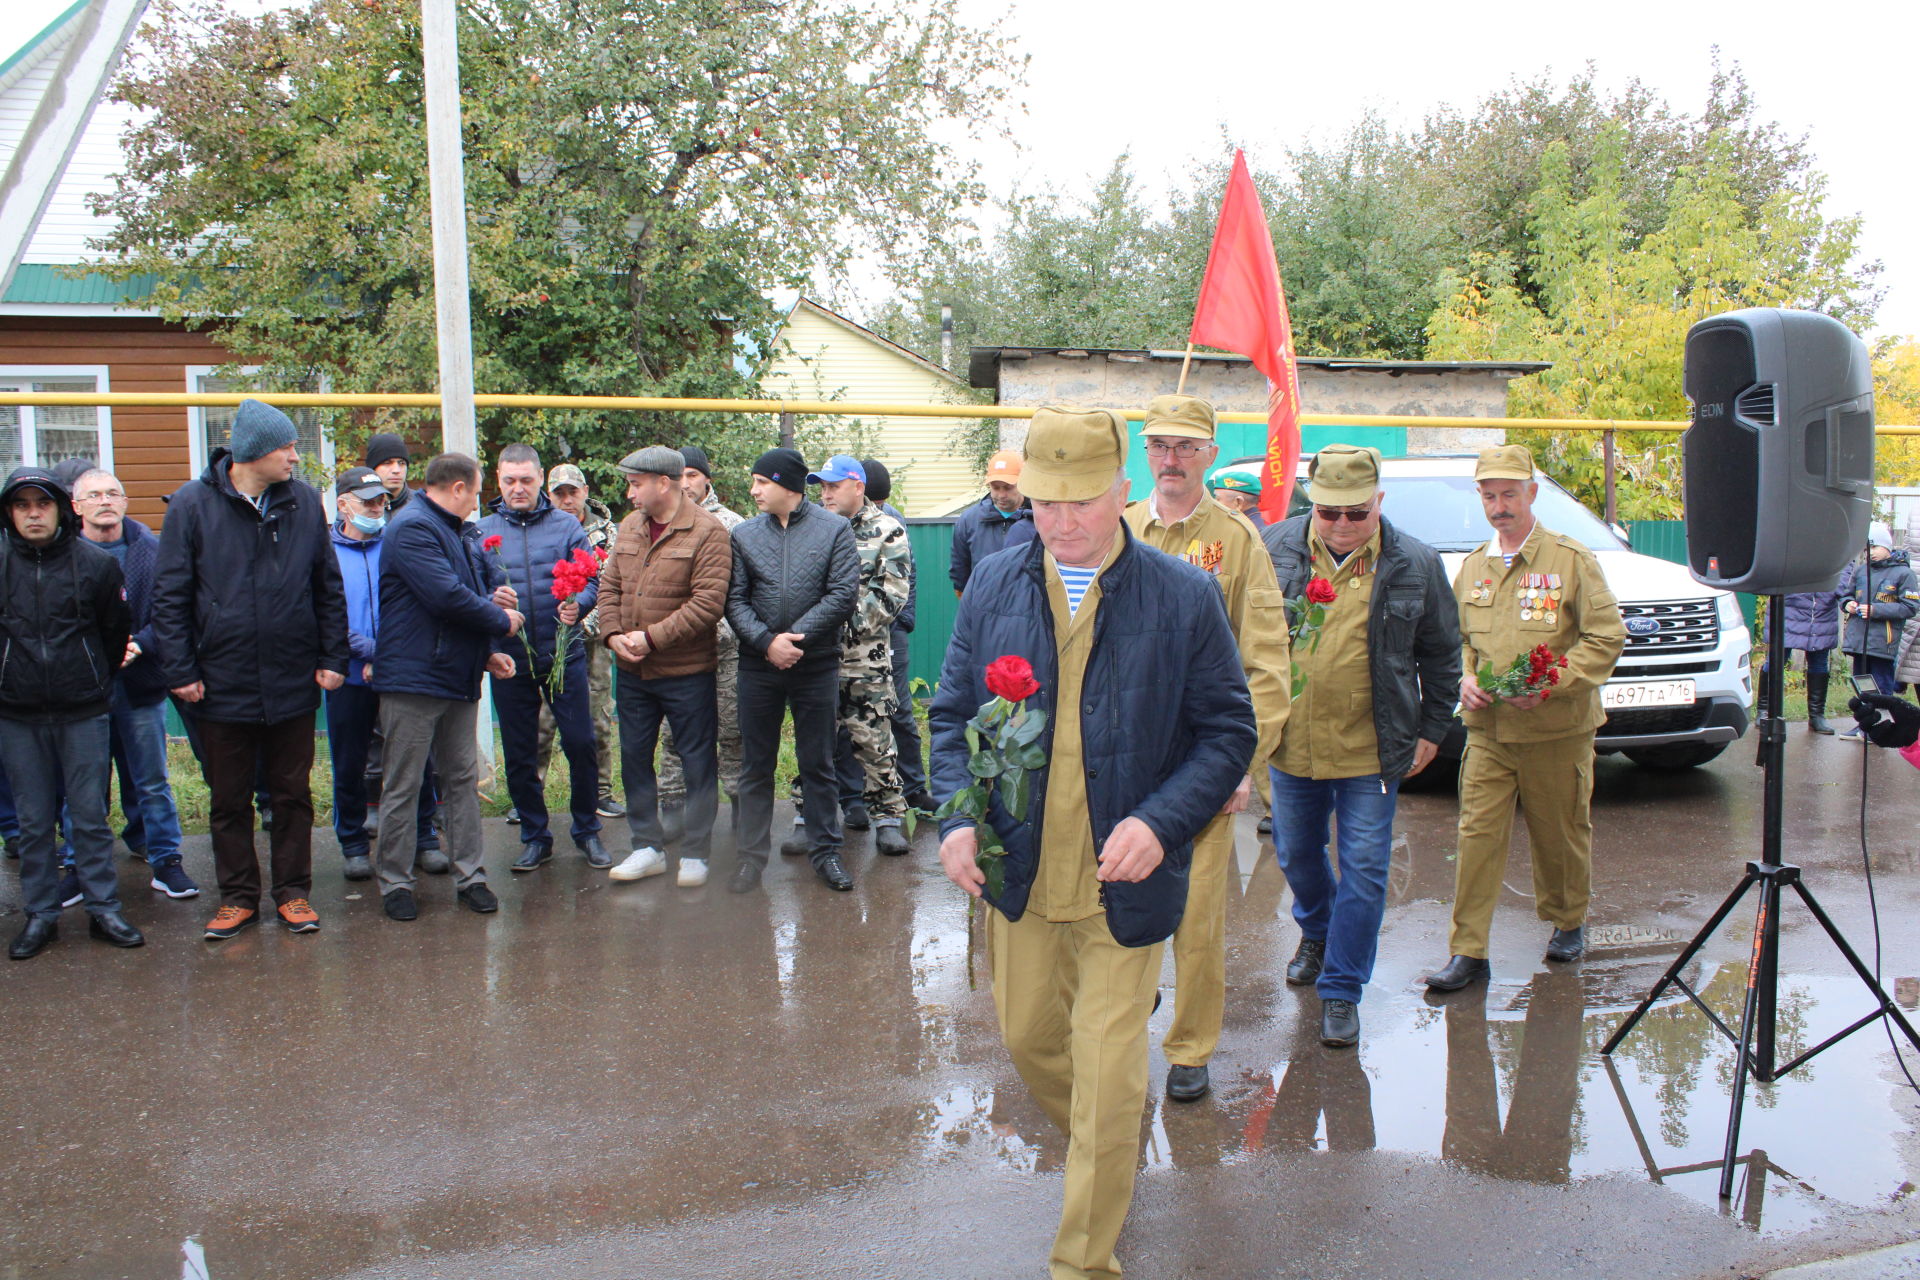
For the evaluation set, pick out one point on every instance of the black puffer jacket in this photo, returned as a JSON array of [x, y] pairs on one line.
[[1413, 636], [801, 577], [1167, 728], [64, 621], [250, 604]]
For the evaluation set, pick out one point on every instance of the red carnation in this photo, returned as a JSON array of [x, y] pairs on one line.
[[1320, 591], [1011, 677], [491, 542]]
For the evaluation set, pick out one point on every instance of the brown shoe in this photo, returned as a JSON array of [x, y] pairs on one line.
[[299, 916], [229, 920]]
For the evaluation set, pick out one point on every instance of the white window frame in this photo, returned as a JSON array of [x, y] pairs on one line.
[[197, 421], [29, 429]]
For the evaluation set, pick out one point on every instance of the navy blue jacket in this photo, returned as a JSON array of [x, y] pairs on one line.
[[437, 621], [530, 543], [248, 603], [360, 577], [143, 680], [1893, 591], [980, 531], [1167, 728]]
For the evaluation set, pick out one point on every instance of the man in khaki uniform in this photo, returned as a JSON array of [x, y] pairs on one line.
[[1182, 519], [1528, 586], [1150, 732], [567, 487]]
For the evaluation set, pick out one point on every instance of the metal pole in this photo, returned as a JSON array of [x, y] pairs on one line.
[[447, 187], [1606, 445]]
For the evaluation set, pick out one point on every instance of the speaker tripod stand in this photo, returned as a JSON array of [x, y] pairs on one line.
[[1772, 878]]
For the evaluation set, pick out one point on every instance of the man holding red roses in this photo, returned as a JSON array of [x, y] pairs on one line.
[[1182, 519], [1374, 701], [1527, 587], [1149, 731]]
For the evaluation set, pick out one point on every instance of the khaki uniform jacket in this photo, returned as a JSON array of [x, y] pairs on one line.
[[1500, 620], [673, 589], [1227, 546]]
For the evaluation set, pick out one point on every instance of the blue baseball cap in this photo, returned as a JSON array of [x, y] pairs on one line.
[[838, 467]]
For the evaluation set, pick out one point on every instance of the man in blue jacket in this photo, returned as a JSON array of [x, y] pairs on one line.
[[439, 615], [252, 626], [534, 534], [353, 710], [1002, 519], [1150, 729], [139, 714]]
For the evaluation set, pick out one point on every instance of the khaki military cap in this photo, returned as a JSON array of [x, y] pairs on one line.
[[1343, 475], [564, 474], [1188, 416], [1504, 462], [1072, 455]]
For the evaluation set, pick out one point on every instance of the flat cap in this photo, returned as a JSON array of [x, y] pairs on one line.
[[1188, 416], [1343, 475], [654, 460]]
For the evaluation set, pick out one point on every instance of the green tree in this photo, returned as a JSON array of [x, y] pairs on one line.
[[639, 177]]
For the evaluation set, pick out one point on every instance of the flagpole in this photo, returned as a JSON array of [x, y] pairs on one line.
[[1184, 366]]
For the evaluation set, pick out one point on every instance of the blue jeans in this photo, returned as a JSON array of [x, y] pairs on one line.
[[140, 754], [1344, 911], [517, 702], [40, 760], [353, 711], [690, 707]]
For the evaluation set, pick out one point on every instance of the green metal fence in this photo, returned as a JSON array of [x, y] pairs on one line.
[[934, 604]]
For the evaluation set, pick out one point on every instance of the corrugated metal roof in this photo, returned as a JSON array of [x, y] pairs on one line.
[[42, 284]]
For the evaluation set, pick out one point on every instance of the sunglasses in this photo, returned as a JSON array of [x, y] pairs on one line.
[[1334, 515]]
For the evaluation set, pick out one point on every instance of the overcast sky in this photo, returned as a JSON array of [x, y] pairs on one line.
[[1160, 79]]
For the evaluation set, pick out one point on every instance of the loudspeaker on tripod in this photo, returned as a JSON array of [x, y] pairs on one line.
[[1778, 456]]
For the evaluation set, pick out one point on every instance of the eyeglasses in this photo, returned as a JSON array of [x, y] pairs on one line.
[[107, 495], [1185, 449], [1333, 515]]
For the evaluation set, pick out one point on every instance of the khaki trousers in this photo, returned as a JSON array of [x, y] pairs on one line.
[[1200, 950], [1073, 1007], [1552, 783]]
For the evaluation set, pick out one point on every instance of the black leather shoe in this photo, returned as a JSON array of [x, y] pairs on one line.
[[477, 897], [111, 926], [891, 841], [833, 873], [35, 938], [1459, 971], [1308, 958], [357, 866], [1339, 1023], [855, 816], [433, 861], [922, 802], [797, 845], [533, 857], [1567, 944], [746, 878], [597, 855], [399, 904], [1188, 1084]]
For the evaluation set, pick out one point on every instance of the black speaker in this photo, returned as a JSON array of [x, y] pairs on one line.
[[1778, 455]]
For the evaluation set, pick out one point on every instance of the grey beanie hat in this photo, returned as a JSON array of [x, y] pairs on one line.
[[654, 460], [259, 429]]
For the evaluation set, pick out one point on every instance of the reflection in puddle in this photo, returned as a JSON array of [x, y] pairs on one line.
[[193, 1260]]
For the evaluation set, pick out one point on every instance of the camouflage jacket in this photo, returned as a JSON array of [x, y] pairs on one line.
[[886, 574], [728, 518], [601, 529]]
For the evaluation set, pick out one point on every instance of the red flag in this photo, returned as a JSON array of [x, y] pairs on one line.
[[1242, 308]]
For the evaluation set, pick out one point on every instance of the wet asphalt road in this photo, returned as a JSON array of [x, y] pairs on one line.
[[643, 1081]]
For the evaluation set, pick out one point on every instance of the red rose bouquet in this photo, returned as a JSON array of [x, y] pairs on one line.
[[491, 544], [1309, 613], [570, 579], [1003, 740], [1535, 671]]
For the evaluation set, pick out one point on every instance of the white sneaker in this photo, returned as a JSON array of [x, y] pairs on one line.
[[641, 863], [693, 872]]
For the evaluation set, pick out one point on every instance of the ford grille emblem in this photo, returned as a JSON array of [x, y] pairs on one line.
[[1642, 626]]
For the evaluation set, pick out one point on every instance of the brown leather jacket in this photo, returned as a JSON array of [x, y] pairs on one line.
[[674, 590]]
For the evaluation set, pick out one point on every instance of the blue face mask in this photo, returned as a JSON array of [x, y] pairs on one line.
[[369, 524]]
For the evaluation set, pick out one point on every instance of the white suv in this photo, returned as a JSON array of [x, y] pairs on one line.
[[1683, 688]]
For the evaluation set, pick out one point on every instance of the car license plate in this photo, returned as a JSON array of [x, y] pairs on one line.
[[1648, 693]]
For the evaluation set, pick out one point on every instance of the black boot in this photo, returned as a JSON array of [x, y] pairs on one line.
[[1817, 705]]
